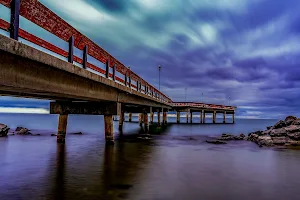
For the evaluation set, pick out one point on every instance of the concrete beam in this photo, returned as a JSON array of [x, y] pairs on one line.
[[28, 72], [85, 108]]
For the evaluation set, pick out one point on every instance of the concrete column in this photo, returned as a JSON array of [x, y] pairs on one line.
[[158, 117], [130, 117], [191, 117], [165, 121], [187, 117], [109, 129], [62, 128], [146, 124], [151, 117], [201, 117], [178, 117], [224, 117], [121, 121], [214, 117], [233, 117], [141, 116]]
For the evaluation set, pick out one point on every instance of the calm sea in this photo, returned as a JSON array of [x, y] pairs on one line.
[[175, 165]]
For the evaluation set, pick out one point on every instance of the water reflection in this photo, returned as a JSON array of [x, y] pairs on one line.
[[59, 181]]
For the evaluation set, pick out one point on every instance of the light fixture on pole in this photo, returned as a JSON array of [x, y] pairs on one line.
[[159, 68]]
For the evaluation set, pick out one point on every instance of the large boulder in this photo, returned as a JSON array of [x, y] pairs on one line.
[[289, 120], [279, 140], [280, 132], [265, 140], [294, 136], [296, 122], [3, 130], [279, 124], [292, 129], [293, 118], [253, 137]]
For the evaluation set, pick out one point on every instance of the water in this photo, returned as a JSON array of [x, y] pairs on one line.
[[175, 165]]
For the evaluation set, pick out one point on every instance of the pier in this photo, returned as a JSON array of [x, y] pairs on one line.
[[74, 84]]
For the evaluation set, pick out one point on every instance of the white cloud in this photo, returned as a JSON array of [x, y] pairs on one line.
[[23, 110]]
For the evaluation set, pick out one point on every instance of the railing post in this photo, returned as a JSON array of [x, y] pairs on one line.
[[129, 80], [114, 72], [125, 80], [140, 86], [84, 60], [137, 85], [71, 50], [107, 69], [14, 19]]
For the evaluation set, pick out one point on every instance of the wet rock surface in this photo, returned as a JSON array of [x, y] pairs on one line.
[[215, 142], [283, 133], [22, 131], [3, 130]]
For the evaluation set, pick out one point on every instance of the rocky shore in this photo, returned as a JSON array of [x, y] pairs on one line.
[[283, 133]]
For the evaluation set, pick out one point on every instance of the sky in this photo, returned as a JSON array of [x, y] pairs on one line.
[[244, 53]]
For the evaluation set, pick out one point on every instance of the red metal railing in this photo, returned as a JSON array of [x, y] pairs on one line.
[[37, 13], [202, 105]]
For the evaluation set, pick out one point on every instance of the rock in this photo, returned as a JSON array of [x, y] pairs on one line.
[[269, 127], [294, 136], [292, 143], [242, 135], [292, 129], [279, 140], [296, 122], [256, 133], [3, 130], [293, 118], [22, 131], [265, 140], [278, 132], [253, 137], [279, 124], [215, 142], [53, 134], [78, 133]]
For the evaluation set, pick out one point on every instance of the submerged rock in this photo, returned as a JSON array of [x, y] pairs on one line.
[[3, 130], [215, 142], [22, 131]]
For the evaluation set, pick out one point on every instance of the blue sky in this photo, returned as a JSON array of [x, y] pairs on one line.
[[248, 50]]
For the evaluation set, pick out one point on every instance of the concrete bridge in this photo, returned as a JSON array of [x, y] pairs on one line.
[[77, 85]]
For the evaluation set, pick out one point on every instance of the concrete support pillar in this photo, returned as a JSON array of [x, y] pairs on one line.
[[130, 117], [151, 117], [158, 117], [109, 129], [141, 119], [204, 117], [165, 121], [178, 117], [187, 117], [233, 117], [201, 117], [62, 128], [191, 117], [224, 117], [121, 121], [214, 117], [146, 124]]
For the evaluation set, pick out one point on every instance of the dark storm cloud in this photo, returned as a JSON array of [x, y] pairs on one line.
[[247, 51]]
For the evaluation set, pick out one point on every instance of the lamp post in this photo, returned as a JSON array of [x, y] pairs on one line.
[[185, 95], [159, 68], [229, 101]]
